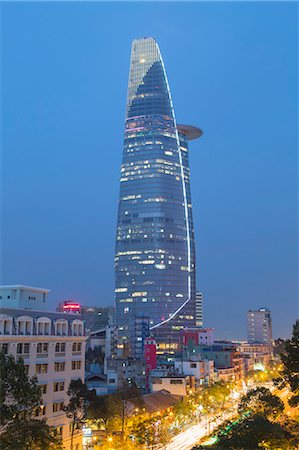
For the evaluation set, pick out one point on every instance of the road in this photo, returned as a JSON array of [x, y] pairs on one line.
[[186, 440]]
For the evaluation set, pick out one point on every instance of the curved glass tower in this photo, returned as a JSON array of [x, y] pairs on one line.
[[155, 251]]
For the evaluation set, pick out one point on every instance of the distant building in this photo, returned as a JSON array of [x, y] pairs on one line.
[[139, 331], [259, 327], [69, 307], [98, 317], [52, 346], [175, 384], [193, 337], [121, 370], [199, 309], [23, 297], [112, 349], [95, 317], [202, 371], [150, 356]]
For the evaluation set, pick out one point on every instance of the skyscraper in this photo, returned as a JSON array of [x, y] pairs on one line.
[[259, 326], [155, 250]]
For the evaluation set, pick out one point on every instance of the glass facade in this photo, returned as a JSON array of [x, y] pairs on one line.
[[155, 251]]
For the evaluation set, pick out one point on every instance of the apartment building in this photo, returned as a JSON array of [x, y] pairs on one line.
[[52, 346]]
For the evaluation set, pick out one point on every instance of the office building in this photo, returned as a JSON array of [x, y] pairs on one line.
[[155, 250], [259, 327]]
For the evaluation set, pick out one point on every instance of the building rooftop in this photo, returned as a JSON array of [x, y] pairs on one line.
[[160, 401], [24, 287]]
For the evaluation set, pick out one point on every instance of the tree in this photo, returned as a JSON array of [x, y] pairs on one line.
[[262, 402], [94, 355], [183, 410], [103, 409], [113, 411], [29, 434], [18, 393], [256, 432], [152, 431], [77, 406], [290, 361], [128, 397], [20, 400]]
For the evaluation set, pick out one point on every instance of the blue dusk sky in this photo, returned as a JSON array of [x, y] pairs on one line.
[[232, 72]]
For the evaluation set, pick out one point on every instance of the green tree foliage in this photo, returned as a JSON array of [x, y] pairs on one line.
[[184, 409], [20, 398], [257, 432], [262, 402], [152, 432], [76, 408], [94, 356], [29, 434], [113, 411], [290, 360], [213, 398], [18, 393], [103, 409]]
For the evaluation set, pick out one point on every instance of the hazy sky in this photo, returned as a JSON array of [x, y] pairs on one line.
[[232, 72]]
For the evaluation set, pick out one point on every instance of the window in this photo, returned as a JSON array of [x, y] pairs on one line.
[[57, 407], [76, 347], [111, 380], [176, 381], [57, 431], [60, 347], [5, 348], [58, 386], [23, 349], [43, 388], [26, 367], [76, 365], [59, 366], [193, 365], [40, 411], [41, 368], [42, 348]]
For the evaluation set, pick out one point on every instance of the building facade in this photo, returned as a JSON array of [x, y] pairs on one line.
[[155, 250], [23, 297], [199, 309], [259, 327], [52, 346]]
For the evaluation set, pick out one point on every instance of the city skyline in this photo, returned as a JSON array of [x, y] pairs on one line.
[[59, 202]]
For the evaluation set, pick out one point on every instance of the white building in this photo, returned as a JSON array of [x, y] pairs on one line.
[[202, 371], [23, 297], [177, 385], [259, 327], [52, 346]]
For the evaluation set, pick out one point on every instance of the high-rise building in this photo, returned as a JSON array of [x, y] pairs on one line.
[[198, 309], [259, 326], [155, 250], [139, 331]]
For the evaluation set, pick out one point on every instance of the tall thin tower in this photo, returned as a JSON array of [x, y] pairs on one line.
[[155, 250]]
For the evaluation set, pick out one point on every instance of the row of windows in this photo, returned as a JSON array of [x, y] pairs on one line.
[[58, 367], [42, 348]]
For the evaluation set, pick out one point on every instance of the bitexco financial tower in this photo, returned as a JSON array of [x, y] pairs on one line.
[[155, 249]]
